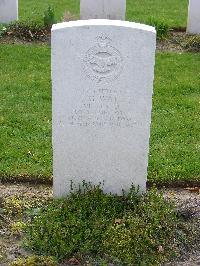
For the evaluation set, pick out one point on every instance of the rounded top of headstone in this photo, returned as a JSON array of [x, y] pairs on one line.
[[103, 22]]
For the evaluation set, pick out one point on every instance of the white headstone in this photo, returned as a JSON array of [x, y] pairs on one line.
[[103, 9], [102, 74], [8, 11], [193, 26]]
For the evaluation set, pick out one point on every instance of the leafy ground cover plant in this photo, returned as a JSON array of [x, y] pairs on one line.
[[49, 17], [193, 43], [27, 31], [132, 229], [3, 29], [34, 30], [161, 27], [31, 30], [34, 261]]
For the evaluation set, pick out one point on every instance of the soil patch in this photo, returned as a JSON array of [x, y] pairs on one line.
[[179, 41]]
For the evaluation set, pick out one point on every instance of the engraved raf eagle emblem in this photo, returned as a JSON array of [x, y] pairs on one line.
[[103, 65], [103, 62]]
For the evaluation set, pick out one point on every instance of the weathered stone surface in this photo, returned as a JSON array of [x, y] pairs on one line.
[[193, 26], [8, 11], [103, 9], [102, 74]]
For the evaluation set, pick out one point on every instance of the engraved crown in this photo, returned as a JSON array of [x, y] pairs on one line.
[[103, 40]]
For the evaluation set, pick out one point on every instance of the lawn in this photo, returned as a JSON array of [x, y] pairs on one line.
[[25, 110], [175, 146], [25, 115], [172, 12]]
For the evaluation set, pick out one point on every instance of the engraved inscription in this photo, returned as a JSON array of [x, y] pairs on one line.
[[100, 108], [103, 62]]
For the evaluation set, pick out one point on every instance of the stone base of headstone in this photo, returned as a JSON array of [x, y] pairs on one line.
[[8, 11], [193, 26], [102, 74]]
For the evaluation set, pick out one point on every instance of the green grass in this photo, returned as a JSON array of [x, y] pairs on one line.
[[172, 12], [175, 145], [25, 115], [25, 110], [34, 9]]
